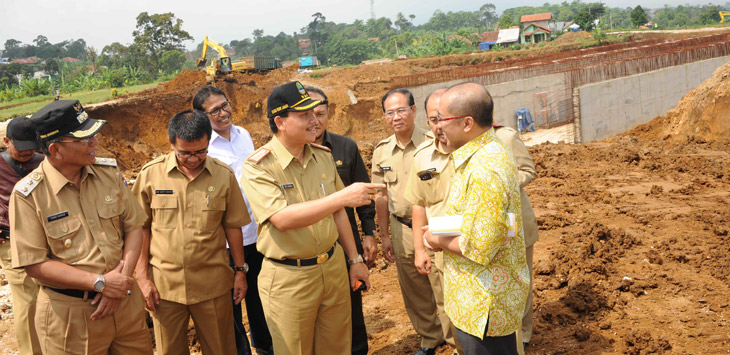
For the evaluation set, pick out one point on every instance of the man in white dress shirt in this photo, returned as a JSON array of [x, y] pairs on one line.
[[232, 145]]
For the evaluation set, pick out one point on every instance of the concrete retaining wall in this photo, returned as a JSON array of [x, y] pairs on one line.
[[508, 97], [614, 106]]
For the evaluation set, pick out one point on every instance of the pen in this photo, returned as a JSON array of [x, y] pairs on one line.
[[323, 191], [207, 200]]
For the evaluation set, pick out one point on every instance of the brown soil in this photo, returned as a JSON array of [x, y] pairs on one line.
[[634, 230]]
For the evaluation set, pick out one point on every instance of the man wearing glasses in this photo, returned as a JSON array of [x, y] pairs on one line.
[[77, 230], [231, 144], [392, 160], [193, 206]]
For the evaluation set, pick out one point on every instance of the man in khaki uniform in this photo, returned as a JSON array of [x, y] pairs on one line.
[[298, 200], [17, 161], [427, 188], [193, 205], [391, 163], [81, 236], [526, 173]]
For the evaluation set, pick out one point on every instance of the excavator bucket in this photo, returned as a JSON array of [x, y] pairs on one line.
[[200, 63]]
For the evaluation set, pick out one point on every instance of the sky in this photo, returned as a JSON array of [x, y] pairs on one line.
[[101, 23]]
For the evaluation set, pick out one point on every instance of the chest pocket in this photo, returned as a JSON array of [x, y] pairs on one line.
[[65, 239], [111, 219], [435, 189], [390, 177], [164, 211], [213, 213]]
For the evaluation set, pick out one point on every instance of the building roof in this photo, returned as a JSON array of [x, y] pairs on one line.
[[537, 28], [29, 60], [489, 36], [70, 60], [508, 35], [536, 17]]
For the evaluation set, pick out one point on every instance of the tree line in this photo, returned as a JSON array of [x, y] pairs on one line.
[[157, 50]]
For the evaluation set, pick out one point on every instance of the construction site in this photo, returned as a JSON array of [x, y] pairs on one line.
[[632, 150]]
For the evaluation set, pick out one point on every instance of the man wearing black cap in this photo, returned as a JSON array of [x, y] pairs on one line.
[[298, 200], [17, 161], [81, 236]]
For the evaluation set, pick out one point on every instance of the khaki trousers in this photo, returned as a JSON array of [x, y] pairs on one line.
[[213, 321], [308, 308], [527, 317], [24, 292], [418, 290], [64, 326]]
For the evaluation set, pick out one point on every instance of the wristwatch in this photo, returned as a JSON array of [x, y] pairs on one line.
[[355, 260], [99, 283], [243, 268]]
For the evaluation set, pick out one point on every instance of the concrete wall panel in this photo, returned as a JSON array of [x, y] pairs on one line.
[[614, 106]]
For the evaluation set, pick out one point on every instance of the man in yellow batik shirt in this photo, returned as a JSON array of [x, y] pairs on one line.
[[486, 279]]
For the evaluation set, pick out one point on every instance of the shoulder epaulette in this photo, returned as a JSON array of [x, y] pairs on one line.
[[220, 163], [424, 145], [320, 147], [258, 155], [29, 183], [106, 161], [384, 141], [154, 161]]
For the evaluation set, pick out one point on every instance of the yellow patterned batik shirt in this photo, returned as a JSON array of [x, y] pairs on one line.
[[491, 281]]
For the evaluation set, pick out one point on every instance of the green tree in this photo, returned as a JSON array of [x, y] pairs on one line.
[[488, 15], [156, 34], [50, 66], [172, 60], [403, 23], [505, 21], [710, 15], [340, 50], [638, 16]]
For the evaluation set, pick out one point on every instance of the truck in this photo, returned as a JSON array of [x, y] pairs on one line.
[[224, 66]]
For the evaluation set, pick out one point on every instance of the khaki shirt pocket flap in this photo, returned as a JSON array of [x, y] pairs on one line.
[[110, 211], [390, 177], [163, 202], [62, 228]]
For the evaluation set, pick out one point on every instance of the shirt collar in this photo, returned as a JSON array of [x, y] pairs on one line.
[[234, 133], [285, 158], [465, 152], [417, 137], [56, 180], [327, 141], [172, 163]]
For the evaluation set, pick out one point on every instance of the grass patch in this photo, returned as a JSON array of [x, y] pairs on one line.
[[30, 105]]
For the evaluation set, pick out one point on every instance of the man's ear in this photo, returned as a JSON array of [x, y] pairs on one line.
[[53, 149], [279, 121], [468, 123]]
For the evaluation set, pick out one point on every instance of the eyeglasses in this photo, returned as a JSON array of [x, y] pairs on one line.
[[217, 111], [84, 141], [440, 118], [401, 111], [187, 155]]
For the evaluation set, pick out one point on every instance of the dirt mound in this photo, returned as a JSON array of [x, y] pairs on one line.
[[702, 115]]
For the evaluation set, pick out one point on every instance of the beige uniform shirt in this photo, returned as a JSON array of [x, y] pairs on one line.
[[83, 226], [391, 166], [429, 178], [187, 218], [527, 173], [274, 179]]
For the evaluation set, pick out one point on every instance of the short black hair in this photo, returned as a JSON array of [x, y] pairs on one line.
[[311, 89], [46, 144], [272, 124], [189, 125], [203, 94], [411, 101]]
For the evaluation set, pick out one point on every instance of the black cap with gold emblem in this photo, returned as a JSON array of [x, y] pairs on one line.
[[290, 97], [64, 118]]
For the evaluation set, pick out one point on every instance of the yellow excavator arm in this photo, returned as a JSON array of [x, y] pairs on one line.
[[723, 14], [218, 48]]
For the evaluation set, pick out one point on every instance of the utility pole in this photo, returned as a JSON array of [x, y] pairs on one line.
[[372, 9]]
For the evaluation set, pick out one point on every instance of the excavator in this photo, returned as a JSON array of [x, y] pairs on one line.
[[223, 65], [723, 14]]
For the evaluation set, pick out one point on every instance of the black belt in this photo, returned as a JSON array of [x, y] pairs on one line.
[[74, 293], [319, 259], [407, 222]]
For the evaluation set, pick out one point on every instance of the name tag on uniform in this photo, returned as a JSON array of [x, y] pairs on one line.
[[287, 186], [163, 192], [57, 216], [386, 168]]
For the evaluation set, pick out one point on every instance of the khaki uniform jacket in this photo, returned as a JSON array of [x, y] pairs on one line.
[[429, 178], [274, 179], [391, 166], [527, 173], [188, 257], [83, 227]]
